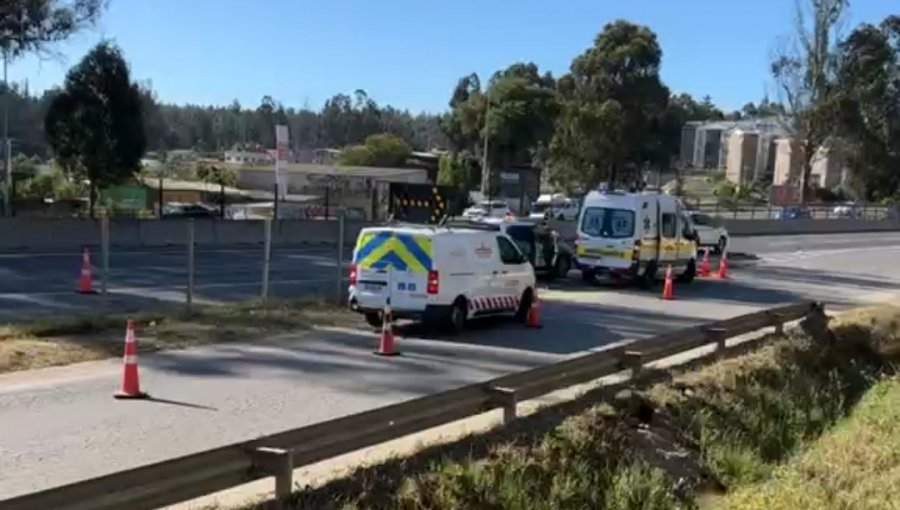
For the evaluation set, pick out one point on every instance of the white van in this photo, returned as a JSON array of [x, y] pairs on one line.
[[635, 236], [439, 274], [554, 207]]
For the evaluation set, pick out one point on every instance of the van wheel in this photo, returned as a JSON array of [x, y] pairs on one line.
[[690, 273], [647, 280], [563, 266], [459, 312], [588, 276], [374, 319]]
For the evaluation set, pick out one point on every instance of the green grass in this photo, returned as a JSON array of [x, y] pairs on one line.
[[854, 466]]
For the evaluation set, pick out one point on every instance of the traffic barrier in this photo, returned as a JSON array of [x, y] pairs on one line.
[[668, 290], [85, 280], [71, 234], [131, 385], [533, 317], [386, 345], [704, 265], [181, 479], [722, 273]]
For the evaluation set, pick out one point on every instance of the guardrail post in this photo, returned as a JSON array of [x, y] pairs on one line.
[[717, 335], [633, 360], [504, 398], [776, 320], [278, 463], [267, 258]]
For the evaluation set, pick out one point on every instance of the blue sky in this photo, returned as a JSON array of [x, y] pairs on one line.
[[409, 53]]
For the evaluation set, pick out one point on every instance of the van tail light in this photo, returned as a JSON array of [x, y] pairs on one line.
[[433, 282], [354, 275]]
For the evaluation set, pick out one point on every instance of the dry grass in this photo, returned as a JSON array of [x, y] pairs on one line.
[[63, 341], [735, 420]]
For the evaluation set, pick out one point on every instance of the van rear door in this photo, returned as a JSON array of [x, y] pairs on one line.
[[393, 265]]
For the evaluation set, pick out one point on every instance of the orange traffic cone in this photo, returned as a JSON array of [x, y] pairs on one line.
[[85, 282], [131, 386], [723, 267], [533, 318], [668, 288], [386, 342], [704, 265]]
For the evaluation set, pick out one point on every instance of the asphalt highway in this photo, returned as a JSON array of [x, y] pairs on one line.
[[61, 425], [35, 284]]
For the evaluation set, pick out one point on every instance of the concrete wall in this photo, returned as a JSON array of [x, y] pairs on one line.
[[26, 234], [54, 235], [804, 226]]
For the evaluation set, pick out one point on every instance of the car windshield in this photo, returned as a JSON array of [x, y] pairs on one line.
[[540, 207], [701, 220], [608, 222]]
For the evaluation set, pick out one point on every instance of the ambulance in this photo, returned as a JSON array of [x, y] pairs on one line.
[[441, 275], [634, 236]]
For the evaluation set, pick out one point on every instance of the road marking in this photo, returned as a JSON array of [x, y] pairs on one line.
[[806, 255]]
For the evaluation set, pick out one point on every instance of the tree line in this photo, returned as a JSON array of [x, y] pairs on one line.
[[607, 120]]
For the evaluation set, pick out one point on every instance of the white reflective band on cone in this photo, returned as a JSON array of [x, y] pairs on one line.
[[130, 359]]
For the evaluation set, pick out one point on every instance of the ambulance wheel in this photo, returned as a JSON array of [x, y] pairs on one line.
[[456, 319], [524, 305], [374, 319], [647, 279], [689, 273]]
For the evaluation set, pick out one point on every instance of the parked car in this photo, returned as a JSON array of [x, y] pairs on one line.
[[794, 212], [179, 210], [709, 233], [491, 209], [847, 210]]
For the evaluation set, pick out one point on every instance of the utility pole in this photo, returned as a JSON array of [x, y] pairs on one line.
[[7, 145], [485, 169]]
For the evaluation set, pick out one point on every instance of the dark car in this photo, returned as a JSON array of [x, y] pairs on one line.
[[794, 212], [548, 253], [176, 210]]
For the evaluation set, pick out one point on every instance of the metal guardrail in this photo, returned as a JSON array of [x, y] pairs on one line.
[[184, 478]]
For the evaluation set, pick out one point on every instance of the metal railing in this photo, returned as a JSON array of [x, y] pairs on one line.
[[181, 479]]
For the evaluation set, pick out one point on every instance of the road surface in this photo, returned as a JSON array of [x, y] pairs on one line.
[[44, 284], [61, 425]]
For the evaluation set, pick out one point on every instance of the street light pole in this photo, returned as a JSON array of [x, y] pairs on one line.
[[485, 170], [7, 146]]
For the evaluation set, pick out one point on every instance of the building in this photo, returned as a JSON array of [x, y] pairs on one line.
[[705, 145], [741, 160], [249, 158]]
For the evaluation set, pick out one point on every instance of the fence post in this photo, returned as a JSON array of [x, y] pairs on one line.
[[504, 398], [278, 463], [267, 258], [339, 291], [104, 254], [769, 213], [190, 255]]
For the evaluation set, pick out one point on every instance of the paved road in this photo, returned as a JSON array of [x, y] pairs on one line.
[[43, 284], [61, 425]]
